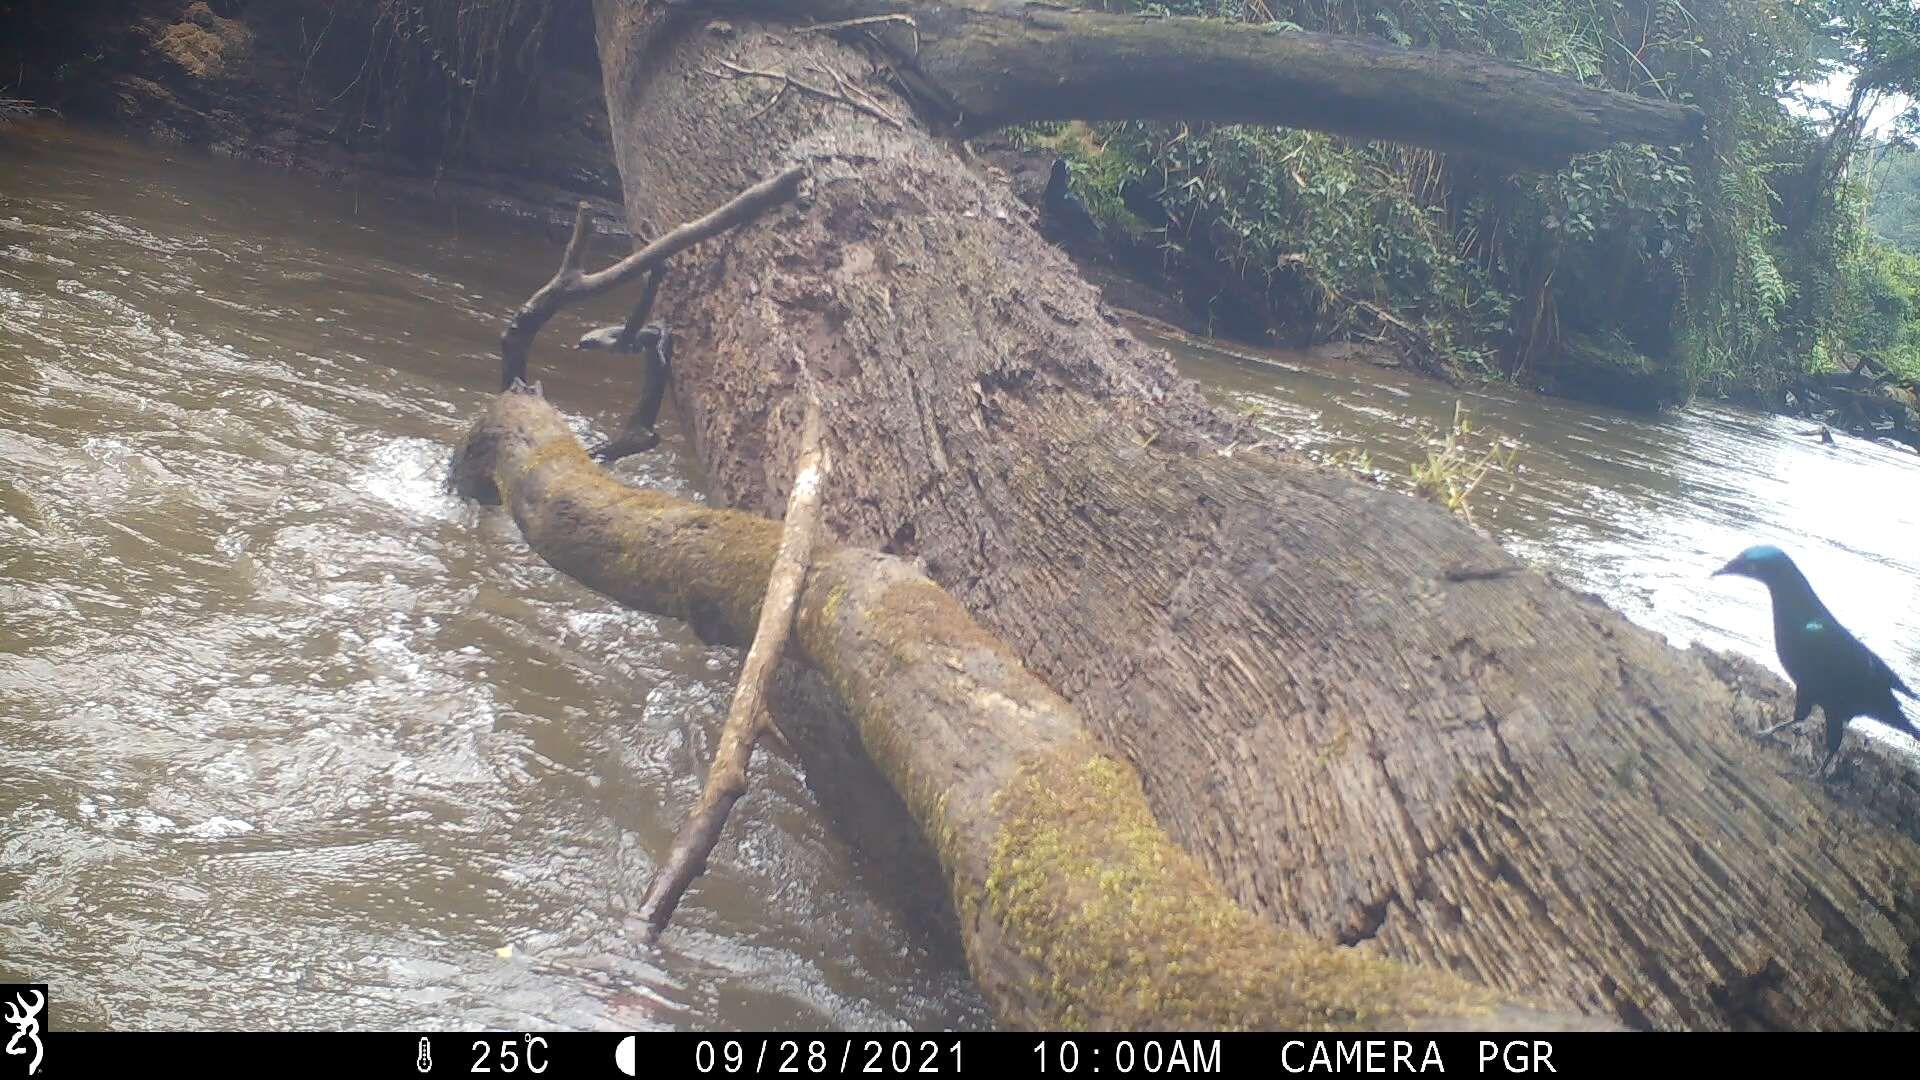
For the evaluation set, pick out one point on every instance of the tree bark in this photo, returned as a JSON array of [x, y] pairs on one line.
[[1492, 776], [1076, 908]]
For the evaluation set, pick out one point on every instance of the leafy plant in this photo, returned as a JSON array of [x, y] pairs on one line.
[[1459, 461], [1728, 268]]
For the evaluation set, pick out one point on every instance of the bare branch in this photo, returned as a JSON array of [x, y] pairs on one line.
[[844, 96], [577, 243], [748, 719], [569, 285], [901, 18], [639, 434], [643, 308]]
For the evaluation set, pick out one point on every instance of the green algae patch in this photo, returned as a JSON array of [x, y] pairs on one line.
[[1125, 930], [914, 614]]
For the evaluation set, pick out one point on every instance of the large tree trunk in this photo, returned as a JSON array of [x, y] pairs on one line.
[[1362, 742], [1075, 907]]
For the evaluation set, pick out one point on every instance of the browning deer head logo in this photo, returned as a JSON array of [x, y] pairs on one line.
[[25, 1018]]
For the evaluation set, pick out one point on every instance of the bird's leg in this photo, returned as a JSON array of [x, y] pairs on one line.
[[1802, 708], [1836, 732]]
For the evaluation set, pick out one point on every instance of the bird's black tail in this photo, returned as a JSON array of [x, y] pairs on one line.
[[1896, 717]]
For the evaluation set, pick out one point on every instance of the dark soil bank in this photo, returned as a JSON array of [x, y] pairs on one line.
[[503, 110]]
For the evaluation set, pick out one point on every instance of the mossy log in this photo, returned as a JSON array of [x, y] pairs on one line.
[[1359, 735], [1076, 908]]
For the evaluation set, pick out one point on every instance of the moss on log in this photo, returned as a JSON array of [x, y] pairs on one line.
[[1077, 909]]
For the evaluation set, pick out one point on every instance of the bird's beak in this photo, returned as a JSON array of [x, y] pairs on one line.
[[1734, 566]]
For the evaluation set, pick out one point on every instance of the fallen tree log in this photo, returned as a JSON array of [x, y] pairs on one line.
[[1076, 909], [1491, 776], [1859, 412], [985, 64]]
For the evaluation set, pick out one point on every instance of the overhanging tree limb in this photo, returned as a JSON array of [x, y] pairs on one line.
[[991, 63]]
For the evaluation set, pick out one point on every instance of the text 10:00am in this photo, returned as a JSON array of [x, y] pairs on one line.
[[1129, 1055], [839, 1056]]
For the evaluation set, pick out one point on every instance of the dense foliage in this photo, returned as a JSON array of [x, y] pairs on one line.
[[1885, 312], [1640, 275], [1636, 274], [1894, 216]]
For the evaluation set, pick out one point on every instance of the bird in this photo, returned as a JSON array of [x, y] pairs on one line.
[[1828, 665], [606, 337], [621, 339], [1064, 206]]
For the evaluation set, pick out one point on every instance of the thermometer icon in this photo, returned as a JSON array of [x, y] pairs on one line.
[[425, 1061]]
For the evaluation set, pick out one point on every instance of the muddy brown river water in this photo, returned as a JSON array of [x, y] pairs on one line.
[[290, 738]]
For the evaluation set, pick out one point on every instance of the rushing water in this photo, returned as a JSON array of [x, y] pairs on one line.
[[290, 738]]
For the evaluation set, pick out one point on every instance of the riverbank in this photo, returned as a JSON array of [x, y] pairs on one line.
[[300, 85]]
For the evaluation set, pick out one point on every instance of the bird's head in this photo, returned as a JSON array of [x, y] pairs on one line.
[[1762, 562]]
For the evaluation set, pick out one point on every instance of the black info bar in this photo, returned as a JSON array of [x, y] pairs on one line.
[[518, 1055]]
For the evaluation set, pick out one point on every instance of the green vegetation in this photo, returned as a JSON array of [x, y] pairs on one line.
[[1894, 215], [1459, 461], [1884, 305], [1638, 275]]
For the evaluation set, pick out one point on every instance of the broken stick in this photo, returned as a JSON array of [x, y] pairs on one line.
[[748, 719]]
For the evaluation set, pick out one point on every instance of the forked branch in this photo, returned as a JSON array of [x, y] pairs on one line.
[[570, 284]]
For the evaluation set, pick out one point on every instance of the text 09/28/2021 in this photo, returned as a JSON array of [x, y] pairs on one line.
[[845, 1056]]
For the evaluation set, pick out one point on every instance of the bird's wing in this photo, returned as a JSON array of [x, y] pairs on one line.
[[1876, 669], [1833, 657], [1843, 659]]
